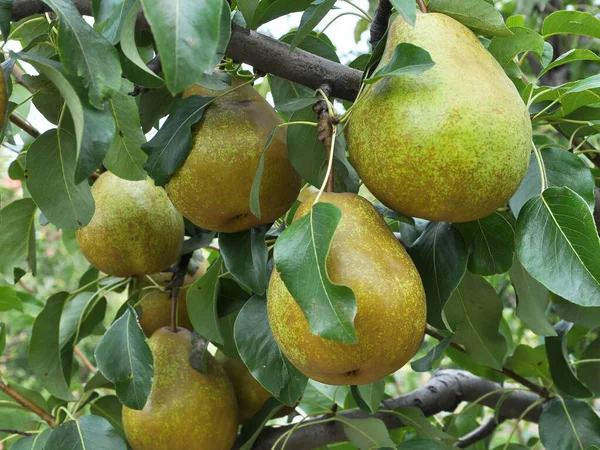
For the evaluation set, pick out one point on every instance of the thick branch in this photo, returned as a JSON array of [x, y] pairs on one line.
[[25, 402], [262, 52], [380, 21], [444, 391]]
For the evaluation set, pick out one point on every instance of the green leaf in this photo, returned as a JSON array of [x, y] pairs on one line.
[[474, 313], [505, 48], [190, 36], [424, 429], [587, 84], [5, 17], [296, 104], [571, 22], [94, 129], [529, 362], [261, 355], [366, 433], [558, 357], [170, 147], [407, 58], [50, 180], [2, 337], [202, 299], [425, 364], [153, 106], [558, 244], [310, 19], [252, 429], [370, 395], [36, 442], [304, 149], [86, 54], [111, 409], [124, 357], [492, 240], [532, 300], [109, 17], [9, 300], [255, 191], [569, 424], [248, 8], [423, 444], [130, 50], [562, 168], [407, 9], [268, 10], [85, 433], [588, 317], [479, 16], [440, 255], [80, 317], [586, 372], [300, 258], [245, 256], [17, 236], [44, 348], [571, 56], [125, 157]]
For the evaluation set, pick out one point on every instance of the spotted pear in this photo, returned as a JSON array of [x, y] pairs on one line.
[[449, 144], [390, 320], [212, 187], [186, 409], [135, 230]]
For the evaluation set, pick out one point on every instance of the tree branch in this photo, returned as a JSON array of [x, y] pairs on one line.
[[380, 22], [480, 433], [25, 402], [262, 52], [24, 125], [443, 392]]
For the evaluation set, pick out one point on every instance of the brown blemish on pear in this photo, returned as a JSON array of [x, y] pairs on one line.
[[391, 309], [186, 410], [212, 188], [449, 144], [135, 229]]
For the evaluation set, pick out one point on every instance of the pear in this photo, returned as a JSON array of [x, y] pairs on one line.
[[250, 394], [3, 103], [186, 409], [391, 309], [154, 306], [449, 144], [212, 187], [135, 230]]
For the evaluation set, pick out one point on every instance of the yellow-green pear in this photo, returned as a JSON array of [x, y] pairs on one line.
[[391, 309], [186, 409], [135, 230], [212, 188], [250, 394], [449, 144], [154, 306], [3, 103]]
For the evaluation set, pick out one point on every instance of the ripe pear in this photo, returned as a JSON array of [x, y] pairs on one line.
[[212, 188], [154, 306], [250, 394], [186, 409], [449, 144], [391, 309], [135, 230]]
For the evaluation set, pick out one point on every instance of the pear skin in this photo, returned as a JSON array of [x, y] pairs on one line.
[[391, 308], [135, 229], [450, 144], [186, 410], [154, 307], [212, 187]]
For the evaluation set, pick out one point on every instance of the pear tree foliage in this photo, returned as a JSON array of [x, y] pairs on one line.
[[512, 298]]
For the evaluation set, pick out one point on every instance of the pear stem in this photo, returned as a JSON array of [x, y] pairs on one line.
[[423, 6], [327, 130], [179, 272]]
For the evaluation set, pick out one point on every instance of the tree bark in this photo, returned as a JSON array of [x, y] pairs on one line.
[[444, 391], [265, 54]]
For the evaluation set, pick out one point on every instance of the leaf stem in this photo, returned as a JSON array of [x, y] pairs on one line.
[[542, 167], [336, 18], [179, 272], [24, 125], [366, 14], [423, 6], [26, 403]]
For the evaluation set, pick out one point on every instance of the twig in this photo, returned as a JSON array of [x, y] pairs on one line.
[[179, 272], [13, 431], [540, 390], [480, 433], [423, 6], [380, 21], [84, 360], [24, 125], [25, 402], [325, 128]]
